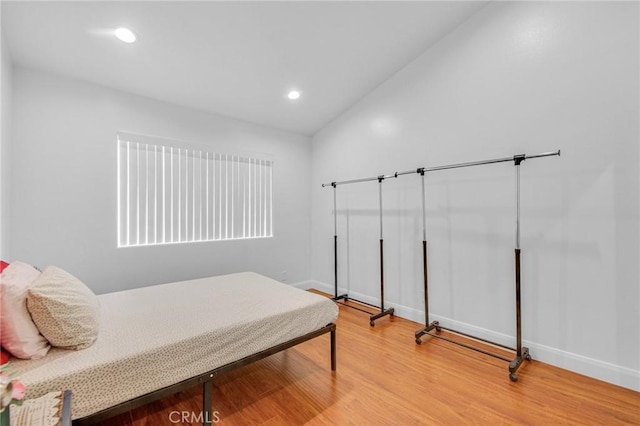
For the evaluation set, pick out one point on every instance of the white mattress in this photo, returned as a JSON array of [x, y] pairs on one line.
[[153, 337]]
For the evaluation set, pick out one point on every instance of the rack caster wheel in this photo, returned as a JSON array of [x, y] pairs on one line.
[[528, 357], [372, 324], [438, 329], [418, 340], [513, 377]]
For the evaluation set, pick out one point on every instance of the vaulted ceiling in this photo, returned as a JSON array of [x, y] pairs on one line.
[[236, 59]]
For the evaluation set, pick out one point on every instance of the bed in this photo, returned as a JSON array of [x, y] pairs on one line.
[[158, 340]]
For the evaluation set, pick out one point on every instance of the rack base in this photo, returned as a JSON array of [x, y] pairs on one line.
[[514, 364], [373, 316]]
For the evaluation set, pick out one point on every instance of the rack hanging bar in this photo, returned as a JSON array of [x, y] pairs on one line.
[[410, 172], [346, 182], [448, 166], [520, 157]]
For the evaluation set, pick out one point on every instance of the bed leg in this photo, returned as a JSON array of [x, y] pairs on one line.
[[333, 350], [207, 402]]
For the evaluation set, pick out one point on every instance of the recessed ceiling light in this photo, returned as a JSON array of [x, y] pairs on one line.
[[293, 95], [125, 34]]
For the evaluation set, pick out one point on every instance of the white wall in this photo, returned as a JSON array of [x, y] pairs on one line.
[[64, 181], [518, 77], [5, 147]]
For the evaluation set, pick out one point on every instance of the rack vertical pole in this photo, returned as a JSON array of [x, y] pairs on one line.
[[424, 250], [425, 273], [522, 353], [335, 242], [335, 246], [517, 265], [383, 311], [381, 246]]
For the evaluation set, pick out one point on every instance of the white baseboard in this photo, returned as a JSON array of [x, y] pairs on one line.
[[305, 285], [601, 370]]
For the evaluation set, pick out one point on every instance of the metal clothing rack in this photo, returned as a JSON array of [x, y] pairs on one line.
[[373, 316], [521, 352]]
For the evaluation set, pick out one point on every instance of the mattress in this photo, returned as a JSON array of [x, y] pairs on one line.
[[153, 337]]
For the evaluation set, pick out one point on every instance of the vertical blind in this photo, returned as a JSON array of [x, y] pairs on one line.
[[171, 193]]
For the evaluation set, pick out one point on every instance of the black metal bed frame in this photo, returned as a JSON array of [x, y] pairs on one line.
[[206, 379]]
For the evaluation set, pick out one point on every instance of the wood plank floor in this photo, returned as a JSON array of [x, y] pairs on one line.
[[385, 378]]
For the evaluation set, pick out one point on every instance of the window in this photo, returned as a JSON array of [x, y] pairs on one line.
[[173, 192]]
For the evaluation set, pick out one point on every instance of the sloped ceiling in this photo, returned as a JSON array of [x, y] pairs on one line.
[[236, 59]]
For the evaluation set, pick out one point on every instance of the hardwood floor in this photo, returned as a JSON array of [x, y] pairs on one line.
[[385, 378]]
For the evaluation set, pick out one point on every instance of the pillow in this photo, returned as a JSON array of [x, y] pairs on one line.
[[65, 310], [18, 333], [3, 265], [4, 356]]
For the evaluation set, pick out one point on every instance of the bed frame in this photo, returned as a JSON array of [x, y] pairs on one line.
[[206, 380]]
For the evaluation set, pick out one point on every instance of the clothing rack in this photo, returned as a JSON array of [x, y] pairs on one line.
[[373, 316], [521, 352]]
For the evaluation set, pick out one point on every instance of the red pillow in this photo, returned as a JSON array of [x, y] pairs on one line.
[[4, 356]]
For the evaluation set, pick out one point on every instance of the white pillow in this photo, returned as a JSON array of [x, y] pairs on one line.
[[19, 334], [65, 310]]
